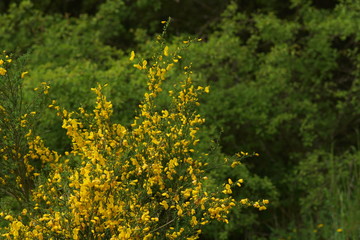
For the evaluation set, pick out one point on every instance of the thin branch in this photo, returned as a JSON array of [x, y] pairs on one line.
[[162, 226]]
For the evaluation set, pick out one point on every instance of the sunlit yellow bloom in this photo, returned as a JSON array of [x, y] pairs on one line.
[[164, 204], [262, 208], [132, 56], [138, 66], [234, 164], [166, 51], [227, 189], [24, 211], [23, 74], [244, 201], [193, 221], [2, 71]]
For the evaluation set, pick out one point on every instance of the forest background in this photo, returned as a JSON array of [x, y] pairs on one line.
[[284, 80]]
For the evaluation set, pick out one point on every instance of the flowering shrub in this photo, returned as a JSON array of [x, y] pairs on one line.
[[16, 125], [145, 182]]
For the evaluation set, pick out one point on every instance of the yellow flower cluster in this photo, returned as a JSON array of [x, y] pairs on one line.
[[3, 71], [146, 182]]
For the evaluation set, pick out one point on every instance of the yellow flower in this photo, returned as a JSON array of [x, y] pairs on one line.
[[1, 62], [132, 56], [262, 208], [166, 51], [244, 201], [339, 230], [2, 71], [227, 189], [138, 66], [234, 164], [24, 211], [164, 204], [23, 74], [193, 221], [180, 211], [8, 217]]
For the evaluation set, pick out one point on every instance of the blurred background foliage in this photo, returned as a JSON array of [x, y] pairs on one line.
[[284, 79]]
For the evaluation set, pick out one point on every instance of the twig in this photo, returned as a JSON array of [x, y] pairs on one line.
[[162, 226]]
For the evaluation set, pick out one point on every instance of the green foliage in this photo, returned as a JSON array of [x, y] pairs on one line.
[[21, 26], [284, 87], [284, 81], [331, 198]]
